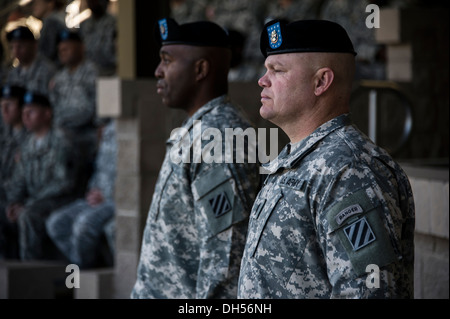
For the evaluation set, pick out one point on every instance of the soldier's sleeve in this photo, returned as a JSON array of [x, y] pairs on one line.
[[359, 232], [17, 190], [221, 220], [63, 181], [105, 164]]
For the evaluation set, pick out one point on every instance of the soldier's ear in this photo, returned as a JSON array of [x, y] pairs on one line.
[[202, 68], [48, 113], [323, 79]]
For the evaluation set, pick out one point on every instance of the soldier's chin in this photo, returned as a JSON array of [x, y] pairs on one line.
[[266, 113]]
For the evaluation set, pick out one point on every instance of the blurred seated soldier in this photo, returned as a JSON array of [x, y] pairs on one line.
[[34, 70], [11, 101], [52, 15], [99, 35], [73, 96], [43, 179], [78, 228]]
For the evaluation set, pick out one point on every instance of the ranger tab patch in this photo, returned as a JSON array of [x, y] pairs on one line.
[[359, 234], [347, 213]]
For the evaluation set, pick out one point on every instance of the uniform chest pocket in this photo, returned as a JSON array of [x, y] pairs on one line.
[[262, 211]]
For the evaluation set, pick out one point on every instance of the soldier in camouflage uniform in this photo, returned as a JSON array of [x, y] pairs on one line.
[[52, 15], [293, 10], [99, 35], [34, 71], [77, 228], [352, 16], [11, 101], [196, 227], [246, 17], [43, 179], [335, 206], [73, 95]]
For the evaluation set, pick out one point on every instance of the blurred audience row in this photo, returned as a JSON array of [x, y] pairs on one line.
[[57, 158]]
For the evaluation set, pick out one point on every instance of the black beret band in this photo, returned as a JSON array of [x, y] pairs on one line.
[[201, 33], [279, 36], [20, 33], [37, 99]]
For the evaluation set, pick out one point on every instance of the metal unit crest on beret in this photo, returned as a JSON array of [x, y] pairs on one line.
[[163, 29], [274, 33]]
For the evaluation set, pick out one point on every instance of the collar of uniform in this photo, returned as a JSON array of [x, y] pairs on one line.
[[290, 158], [42, 145], [189, 123]]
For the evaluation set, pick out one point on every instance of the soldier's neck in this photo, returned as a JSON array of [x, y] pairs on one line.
[[42, 132], [74, 66]]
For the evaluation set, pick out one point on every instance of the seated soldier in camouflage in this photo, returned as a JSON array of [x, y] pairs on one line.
[[78, 228], [52, 14], [99, 33], [34, 71], [335, 217], [197, 223], [73, 95], [11, 139], [43, 179]]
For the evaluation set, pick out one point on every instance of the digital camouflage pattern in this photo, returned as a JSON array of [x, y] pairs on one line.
[[44, 170], [36, 78], [77, 228], [52, 26], [10, 143], [73, 96], [99, 37], [43, 180], [196, 227], [332, 205]]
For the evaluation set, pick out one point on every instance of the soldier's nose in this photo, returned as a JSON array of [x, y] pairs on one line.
[[158, 72], [263, 81]]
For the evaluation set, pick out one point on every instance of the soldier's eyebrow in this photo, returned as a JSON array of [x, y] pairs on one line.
[[164, 53], [273, 64]]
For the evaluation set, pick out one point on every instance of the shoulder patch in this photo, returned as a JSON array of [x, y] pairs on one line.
[[215, 195], [357, 222], [220, 204], [359, 234]]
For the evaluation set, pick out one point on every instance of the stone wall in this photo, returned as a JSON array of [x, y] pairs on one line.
[[431, 196]]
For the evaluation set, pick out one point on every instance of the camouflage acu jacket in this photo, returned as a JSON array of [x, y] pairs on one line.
[[10, 143], [35, 78], [196, 227], [332, 206], [45, 170], [74, 96]]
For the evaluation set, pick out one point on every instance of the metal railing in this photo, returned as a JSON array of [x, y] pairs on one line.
[[374, 89]]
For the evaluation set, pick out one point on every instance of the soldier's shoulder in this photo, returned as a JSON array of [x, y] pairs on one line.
[[45, 63], [226, 115], [60, 137]]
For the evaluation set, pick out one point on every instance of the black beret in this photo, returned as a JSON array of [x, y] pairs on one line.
[[202, 33], [13, 91], [280, 36], [36, 98], [67, 35], [20, 33]]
